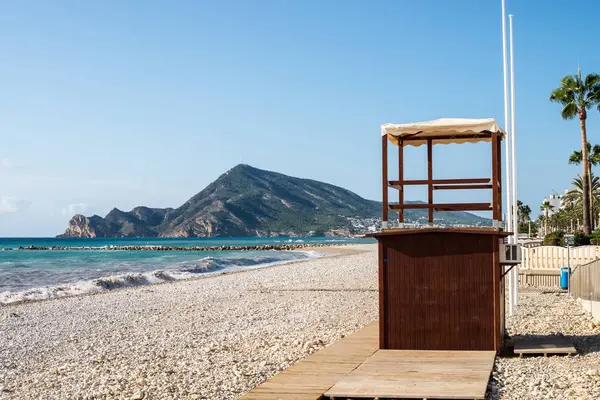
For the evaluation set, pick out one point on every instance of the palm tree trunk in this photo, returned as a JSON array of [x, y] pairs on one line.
[[593, 217], [587, 227]]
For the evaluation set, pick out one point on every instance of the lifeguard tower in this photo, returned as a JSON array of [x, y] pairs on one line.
[[441, 288], [441, 292]]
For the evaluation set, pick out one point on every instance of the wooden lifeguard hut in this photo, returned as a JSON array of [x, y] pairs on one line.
[[441, 288]]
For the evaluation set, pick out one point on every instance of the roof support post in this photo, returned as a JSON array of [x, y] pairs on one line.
[[401, 179], [499, 174], [430, 178], [495, 211], [384, 175]]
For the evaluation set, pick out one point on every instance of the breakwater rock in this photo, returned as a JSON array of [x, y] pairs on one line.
[[280, 247]]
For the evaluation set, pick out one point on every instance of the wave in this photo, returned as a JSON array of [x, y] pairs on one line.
[[182, 270]]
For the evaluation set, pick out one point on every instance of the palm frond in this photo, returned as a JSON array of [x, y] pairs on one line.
[[570, 82], [595, 155], [592, 80], [562, 96], [569, 111], [575, 158]]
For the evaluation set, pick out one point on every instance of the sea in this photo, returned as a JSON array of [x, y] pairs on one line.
[[44, 274]]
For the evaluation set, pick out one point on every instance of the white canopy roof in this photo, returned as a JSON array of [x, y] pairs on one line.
[[442, 131]]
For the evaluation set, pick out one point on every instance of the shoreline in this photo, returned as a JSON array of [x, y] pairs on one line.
[[260, 247], [220, 336], [196, 339], [320, 250]]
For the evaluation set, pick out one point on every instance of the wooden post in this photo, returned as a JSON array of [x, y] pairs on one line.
[[384, 174], [430, 178], [495, 215], [401, 179], [499, 171]]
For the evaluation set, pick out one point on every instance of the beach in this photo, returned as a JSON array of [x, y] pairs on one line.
[[206, 338], [218, 337], [542, 312]]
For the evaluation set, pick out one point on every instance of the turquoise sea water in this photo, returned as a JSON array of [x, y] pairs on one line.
[[36, 275]]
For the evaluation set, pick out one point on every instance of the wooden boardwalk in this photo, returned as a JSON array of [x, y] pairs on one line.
[[543, 345], [309, 378], [418, 374], [354, 367]]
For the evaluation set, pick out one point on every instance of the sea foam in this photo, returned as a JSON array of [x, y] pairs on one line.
[[182, 270]]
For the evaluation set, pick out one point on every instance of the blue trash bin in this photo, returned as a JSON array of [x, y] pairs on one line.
[[564, 277]]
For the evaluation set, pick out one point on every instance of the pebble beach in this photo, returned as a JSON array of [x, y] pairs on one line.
[[208, 338], [218, 337]]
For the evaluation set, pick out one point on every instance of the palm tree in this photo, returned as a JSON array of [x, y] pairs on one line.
[[523, 212], [546, 207], [593, 159], [575, 196], [578, 95]]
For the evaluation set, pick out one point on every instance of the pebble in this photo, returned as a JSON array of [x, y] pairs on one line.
[[211, 338], [556, 377], [219, 337]]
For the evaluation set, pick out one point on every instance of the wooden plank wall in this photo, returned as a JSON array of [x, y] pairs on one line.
[[438, 292]]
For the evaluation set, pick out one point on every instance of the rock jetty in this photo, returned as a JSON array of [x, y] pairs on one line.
[[280, 247]]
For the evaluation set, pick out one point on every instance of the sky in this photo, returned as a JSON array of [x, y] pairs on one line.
[[117, 104]]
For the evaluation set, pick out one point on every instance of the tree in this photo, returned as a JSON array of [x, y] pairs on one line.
[[546, 207], [593, 159], [523, 212], [575, 196], [578, 95], [524, 218]]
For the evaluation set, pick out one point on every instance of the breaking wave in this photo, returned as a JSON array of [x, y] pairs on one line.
[[183, 270]]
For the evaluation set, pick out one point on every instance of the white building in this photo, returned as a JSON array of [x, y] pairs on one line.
[[556, 201]]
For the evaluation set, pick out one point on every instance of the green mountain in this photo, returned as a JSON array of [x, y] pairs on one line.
[[247, 201]]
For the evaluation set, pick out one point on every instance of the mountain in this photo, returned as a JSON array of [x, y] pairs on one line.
[[247, 201]]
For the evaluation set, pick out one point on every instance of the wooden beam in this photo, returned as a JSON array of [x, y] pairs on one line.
[[430, 178], [495, 210], [384, 173], [401, 178], [457, 187], [438, 181], [445, 206], [446, 137], [499, 171], [383, 265]]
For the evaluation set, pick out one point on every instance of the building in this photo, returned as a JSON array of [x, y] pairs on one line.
[[556, 201]]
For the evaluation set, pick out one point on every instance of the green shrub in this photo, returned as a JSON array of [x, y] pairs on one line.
[[581, 239], [554, 239], [595, 238]]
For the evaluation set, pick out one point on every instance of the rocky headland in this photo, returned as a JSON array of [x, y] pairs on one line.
[[247, 201]]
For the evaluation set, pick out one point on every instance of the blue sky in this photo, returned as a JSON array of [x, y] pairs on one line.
[[106, 104]]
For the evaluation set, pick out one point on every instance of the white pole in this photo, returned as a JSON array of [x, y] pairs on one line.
[[507, 150], [513, 132]]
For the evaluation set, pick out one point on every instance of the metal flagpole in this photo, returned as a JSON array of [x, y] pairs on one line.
[[507, 150], [513, 132]]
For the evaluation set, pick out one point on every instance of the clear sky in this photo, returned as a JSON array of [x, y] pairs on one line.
[[122, 103]]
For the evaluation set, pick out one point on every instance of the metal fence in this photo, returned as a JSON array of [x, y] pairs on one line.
[[585, 281]]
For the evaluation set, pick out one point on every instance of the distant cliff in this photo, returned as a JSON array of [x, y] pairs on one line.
[[247, 201]]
